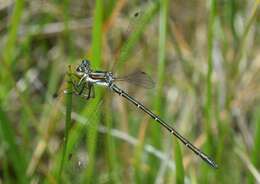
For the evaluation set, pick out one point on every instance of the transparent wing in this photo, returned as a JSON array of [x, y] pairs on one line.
[[138, 78]]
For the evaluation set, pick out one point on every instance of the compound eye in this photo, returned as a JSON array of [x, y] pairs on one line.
[[78, 69], [85, 62]]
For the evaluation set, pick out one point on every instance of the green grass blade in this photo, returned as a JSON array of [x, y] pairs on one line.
[[242, 42], [112, 156], [76, 134], [161, 53], [138, 153], [13, 152], [9, 49], [208, 105], [178, 161], [97, 35], [96, 49], [67, 123], [256, 148], [159, 98], [12, 31]]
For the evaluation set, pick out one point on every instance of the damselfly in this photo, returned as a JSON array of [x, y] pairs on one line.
[[84, 87]]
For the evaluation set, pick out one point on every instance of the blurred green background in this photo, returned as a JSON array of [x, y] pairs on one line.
[[203, 55]]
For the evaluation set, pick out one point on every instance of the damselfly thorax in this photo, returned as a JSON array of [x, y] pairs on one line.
[[86, 78]]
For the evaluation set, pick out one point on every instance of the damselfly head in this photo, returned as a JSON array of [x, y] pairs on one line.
[[84, 67]]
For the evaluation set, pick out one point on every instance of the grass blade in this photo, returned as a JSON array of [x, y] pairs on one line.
[[158, 102], [178, 161], [67, 123], [113, 162], [256, 148], [13, 153], [208, 105], [96, 48]]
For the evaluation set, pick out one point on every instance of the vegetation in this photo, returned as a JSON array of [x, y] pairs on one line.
[[203, 55]]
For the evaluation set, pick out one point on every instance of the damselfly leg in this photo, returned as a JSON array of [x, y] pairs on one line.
[[83, 89], [80, 87]]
